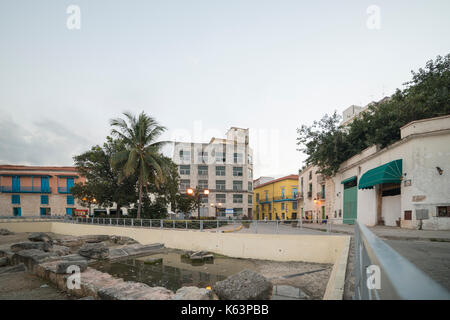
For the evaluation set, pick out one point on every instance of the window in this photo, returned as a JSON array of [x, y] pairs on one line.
[[204, 199], [220, 184], [202, 157], [250, 186], [185, 184], [220, 170], [443, 211], [250, 173], [220, 157], [257, 197], [185, 169], [282, 193], [294, 205], [294, 192], [15, 199], [44, 199], [203, 184], [270, 207], [17, 212], [202, 170], [250, 199], [185, 155], [237, 185], [310, 175], [249, 159], [237, 198], [221, 197], [237, 171], [237, 211], [238, 158], [69, 211], [69, 199], [282, 206], [44, 184]]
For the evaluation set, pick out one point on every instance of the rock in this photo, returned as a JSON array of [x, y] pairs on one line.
[[45, 246], [5, 232], [193, 293], [40, 237], [44, 286], [95, 238], [62, 266], [122, 240], [17, 268], [153, 261], [245, 285], [60, 250], [3, 261], [134, 291], [31, 257], [94, 251], [69, 241], [140, 249]]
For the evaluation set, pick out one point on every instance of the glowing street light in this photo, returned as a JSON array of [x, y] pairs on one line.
[[197, 194]]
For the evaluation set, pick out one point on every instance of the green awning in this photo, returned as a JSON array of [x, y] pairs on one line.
[[348, 180], [390, 172]]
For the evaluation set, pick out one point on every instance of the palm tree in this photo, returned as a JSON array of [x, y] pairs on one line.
[[142, 155]]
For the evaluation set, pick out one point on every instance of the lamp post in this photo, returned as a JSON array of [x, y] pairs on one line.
[[197, 194]]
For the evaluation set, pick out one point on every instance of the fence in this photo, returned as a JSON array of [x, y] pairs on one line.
[[382, 274], [219, 225]]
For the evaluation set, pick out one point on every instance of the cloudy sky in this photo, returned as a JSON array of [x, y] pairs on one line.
[[200, 67]]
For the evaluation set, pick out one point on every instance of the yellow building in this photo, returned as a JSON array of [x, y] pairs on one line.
[[276, 198]]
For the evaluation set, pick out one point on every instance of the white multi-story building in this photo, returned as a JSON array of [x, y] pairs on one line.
[[224, 167]]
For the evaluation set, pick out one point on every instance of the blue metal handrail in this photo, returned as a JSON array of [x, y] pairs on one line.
[[25, 189]]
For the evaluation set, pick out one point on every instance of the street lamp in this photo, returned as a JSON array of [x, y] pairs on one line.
[[197, 194]]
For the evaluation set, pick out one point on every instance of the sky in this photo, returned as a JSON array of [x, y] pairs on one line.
[[200, 67]]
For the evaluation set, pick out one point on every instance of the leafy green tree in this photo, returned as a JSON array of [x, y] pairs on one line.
[[427, 95], [102, 180], [142, 156]]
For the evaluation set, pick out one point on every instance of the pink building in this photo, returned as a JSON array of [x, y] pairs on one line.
[[37, 191]]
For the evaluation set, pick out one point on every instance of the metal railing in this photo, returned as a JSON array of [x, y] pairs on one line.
[[383, 274], [25, 189], [283, 226]]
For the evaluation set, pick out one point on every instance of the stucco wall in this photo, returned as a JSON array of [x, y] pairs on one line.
[[309, 248], [391, 210]]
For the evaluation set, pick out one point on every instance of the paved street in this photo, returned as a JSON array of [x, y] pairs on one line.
[[428, 250], [429, 256]]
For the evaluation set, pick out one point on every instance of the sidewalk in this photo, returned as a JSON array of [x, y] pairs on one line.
[[385, 232]]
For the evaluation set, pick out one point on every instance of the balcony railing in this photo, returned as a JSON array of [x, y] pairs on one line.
[[264, 200], [25, 189], [285, 198], [320, 195], [63, 190]]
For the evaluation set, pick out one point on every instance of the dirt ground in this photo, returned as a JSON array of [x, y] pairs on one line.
[[25, 286]]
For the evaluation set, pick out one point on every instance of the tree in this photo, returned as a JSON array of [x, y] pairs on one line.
[[427, 95], [142, 156], [102, 180]]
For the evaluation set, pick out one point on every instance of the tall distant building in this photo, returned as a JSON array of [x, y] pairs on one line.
[[224, 167]]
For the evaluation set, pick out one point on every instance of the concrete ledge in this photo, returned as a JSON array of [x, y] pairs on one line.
[[335, 286]]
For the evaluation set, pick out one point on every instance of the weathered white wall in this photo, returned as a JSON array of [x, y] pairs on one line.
[[421, 154], [391, 210]]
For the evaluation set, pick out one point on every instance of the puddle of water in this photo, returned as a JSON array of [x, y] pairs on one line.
[[175, 272]]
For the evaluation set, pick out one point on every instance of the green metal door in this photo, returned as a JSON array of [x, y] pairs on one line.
[[350, 202]]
